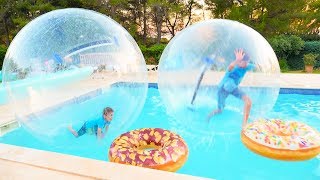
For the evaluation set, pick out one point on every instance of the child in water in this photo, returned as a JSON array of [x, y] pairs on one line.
[[230, 82], [95, 125]]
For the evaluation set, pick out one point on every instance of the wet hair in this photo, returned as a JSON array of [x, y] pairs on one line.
[[107, 110]]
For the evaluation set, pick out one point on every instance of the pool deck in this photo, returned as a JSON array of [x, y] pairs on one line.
[[24, 163]]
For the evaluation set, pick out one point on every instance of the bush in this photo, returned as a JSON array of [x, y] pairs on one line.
[[156, 50], [289, 47], [310, 59], [153, 53], [286, 45], [295, 62], [310, 37], [283, 65], [317, 64], [314, 48]]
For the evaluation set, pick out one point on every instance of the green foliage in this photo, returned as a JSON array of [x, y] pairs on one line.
[[272, 17], [289, 47], [153, 53], [281, 46], [20, 22], [281, 16], [310, 37], [286, 45], [3, 51], [219, 8], [283, 65], [297, 44], [295, 62], [310, 59], [314, 48], [317, 64], [133, 30]]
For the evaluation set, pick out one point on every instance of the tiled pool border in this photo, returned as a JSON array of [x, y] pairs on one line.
[[282, 90]]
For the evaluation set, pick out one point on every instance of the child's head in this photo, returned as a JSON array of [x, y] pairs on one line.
[[244, 62], [108, 113]]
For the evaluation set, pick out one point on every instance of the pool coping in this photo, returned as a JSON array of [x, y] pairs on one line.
[[286, 90], [41, 164]]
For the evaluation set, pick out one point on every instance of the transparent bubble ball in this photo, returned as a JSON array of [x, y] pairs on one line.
[[192, 68], [67, 65]]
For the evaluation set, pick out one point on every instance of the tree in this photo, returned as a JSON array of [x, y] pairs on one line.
[[313, 16], [6, 8], [159, 8], [219, 8], [179, 14], [269, 17]]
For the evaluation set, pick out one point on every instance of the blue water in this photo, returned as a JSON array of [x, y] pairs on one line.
[[212, 155]]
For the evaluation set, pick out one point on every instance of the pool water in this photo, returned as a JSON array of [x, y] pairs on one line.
[[211, 155]]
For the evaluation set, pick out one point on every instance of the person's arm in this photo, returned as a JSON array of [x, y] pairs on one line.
[[99, 133], [239, 56], [106, 129], [253, 67], [232, 65]]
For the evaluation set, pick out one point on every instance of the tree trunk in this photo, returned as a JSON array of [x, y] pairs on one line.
[[159, 32], [144, 22], [189, 13], [6, 28], [113, 12], [158, 21], [171, 27]]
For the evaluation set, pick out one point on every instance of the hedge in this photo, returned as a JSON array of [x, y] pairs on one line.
[[292, 48]]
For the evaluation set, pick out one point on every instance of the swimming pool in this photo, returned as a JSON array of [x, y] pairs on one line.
[[213, 155]]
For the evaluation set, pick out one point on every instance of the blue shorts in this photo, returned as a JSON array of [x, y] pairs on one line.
[[83, 130], [223, 94]]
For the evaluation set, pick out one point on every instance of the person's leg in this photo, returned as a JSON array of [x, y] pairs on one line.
[[247, 104], [73, 131], [81, 131], [247, 107], [222, 95]]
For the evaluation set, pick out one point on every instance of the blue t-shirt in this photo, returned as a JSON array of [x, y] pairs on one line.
[[232, 78], [98, 122]]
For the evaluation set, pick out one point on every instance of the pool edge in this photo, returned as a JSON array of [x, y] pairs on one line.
[[42, 164]]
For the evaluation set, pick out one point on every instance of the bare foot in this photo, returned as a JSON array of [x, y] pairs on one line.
[[244, 124], [209, 117], [214, 112], [72, 131]]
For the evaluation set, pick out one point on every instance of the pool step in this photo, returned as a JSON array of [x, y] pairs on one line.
[[8, 127]]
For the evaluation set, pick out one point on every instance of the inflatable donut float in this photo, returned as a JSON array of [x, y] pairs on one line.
[[283, 140], [150, 147]]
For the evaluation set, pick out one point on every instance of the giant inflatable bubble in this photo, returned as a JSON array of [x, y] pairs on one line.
[[69, 64], [194, 64]]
